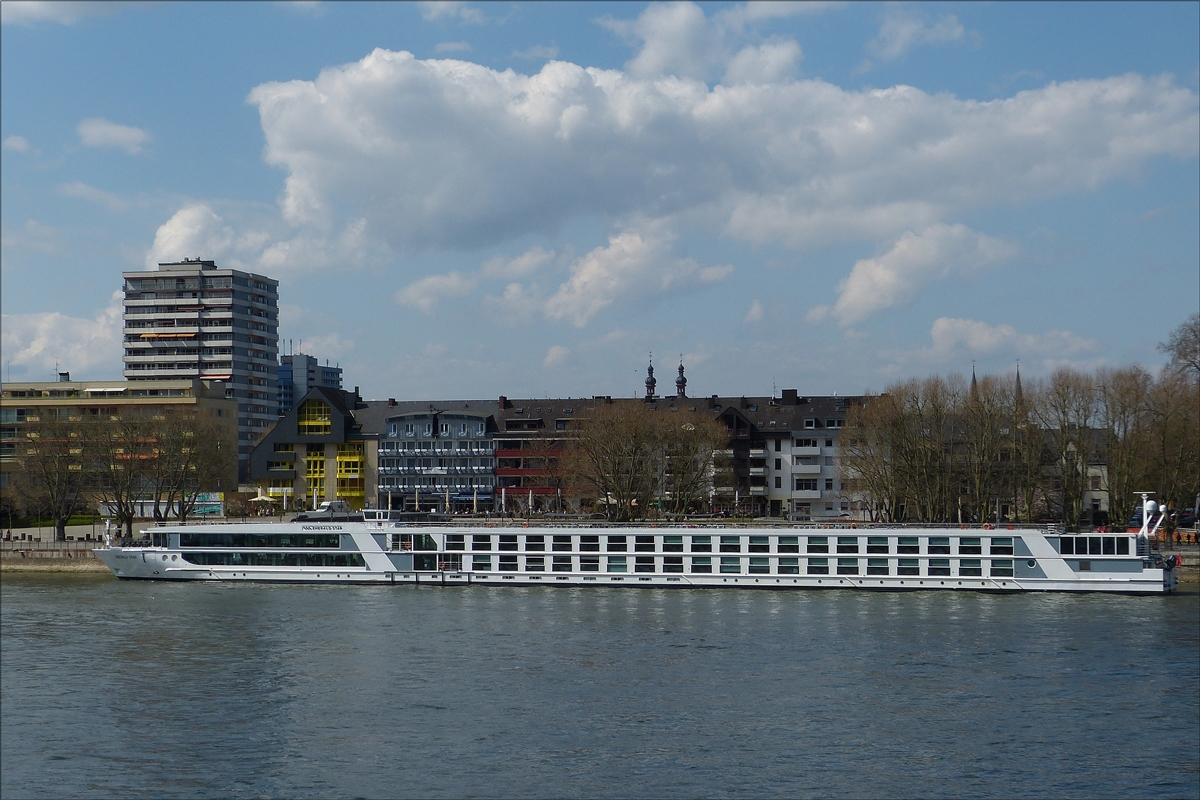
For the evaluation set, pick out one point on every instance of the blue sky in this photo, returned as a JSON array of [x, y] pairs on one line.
[[466, 200]]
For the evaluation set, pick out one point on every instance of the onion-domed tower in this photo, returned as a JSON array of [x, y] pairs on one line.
[[681, 382], [650, 382]]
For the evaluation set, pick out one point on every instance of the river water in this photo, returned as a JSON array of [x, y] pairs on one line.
[[126, 689]]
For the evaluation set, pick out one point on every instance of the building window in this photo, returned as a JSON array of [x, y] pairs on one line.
[[818, 566], [702, 564], [778, 482], [616, 564], [314, 418], [829, 484], [806, 484], [731, 565]]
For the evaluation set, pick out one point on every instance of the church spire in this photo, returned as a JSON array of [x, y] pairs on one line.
[[1019, 396], [650, 382], [681, 381], [974, 383]]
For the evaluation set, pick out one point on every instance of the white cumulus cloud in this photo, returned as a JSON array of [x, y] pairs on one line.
[[901, 31], [425, 293], [451, 9], [18, 144], [83, 191], [97, 132], [194, 231], [556, 356], [895, 277], [631, 266], [63, 12], [34, 342]]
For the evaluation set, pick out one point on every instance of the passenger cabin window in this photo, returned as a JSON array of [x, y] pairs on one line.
[[562, 544], [702, 564], [789, 544], [939, 567], [589, 544], [818, 544], [1002, 568], [535, 564], [562, 564], [454, 541], [617, 564], [731, 565], [847, 544], [908, 566], [616, 544], [847, 566], [760, 565], [1002, 546], [673, 563], [817, 566], [877, 566], [789, 566], [643, 544], [508, 563], [589, 563], [970, 568], [970, 546], [908, 545], [643, 564], [673, 544], [939, 545], [481, 542], [701, 544], [535, 543], [508, 542], [731, 544], [760, 544], [877, 544]]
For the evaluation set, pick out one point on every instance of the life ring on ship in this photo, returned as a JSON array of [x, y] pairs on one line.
[[524, 524], [964, 527], [988, 527], [826, 526], [491, 524]]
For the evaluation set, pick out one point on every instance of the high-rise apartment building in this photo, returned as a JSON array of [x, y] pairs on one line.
[[298, 373], [190, 319]]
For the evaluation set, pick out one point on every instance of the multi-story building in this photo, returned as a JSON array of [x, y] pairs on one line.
[[436, 456], [298, 373], [320, 450], [21, 403], [190, 319]]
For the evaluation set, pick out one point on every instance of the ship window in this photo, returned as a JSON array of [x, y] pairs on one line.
[[1002, 546], [847, 566], [589, 564], [481, 542], [939, 545], [508, 563], [454, 541], [535, 564], [702, 564], [847, 544], [1002, 568], [1123, 545], [673, 544], [535, 543], [908, 545], [562, 563], [562, 543], [1093, 546], [789, 544], [732, 565], [731, 544], [818, 566], [877, 544], [276, 559], [643, 544], [616, 563], [673, 564], [818, 544], [481, 563], [970, 546], [789, 566], [616, 544], [589, 544], [701, 544], [970, 568], [908, 566], [939, 566], [1110, 545], [760, 566], [507, 542], [643, 564], [877, 566], [760, 544], [1066, 546], [1084, 566]]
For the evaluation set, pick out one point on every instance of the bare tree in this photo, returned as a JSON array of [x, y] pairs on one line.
[[1173, 408], [1066, 412], [1183, 346], [51, 478], [1123, 398], [120, 448], [690, 442], [869, 467], [193, 452], [984, 436]]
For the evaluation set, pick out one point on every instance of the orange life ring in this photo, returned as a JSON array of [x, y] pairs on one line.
[[524, 524]]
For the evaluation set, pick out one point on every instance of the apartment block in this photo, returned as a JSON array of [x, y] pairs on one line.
[[298, 373], [190, 319]]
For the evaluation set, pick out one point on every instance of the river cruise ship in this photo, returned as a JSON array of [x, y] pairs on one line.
[[380, 549]]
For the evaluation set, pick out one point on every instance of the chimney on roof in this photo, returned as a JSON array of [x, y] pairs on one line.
[[790, 397], [64, 377], [504, 402], [391, 402]]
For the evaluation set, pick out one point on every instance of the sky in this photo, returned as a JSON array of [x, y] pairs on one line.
[[464, 200]]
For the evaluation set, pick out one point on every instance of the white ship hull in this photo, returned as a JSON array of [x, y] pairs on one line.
[[892, 559]]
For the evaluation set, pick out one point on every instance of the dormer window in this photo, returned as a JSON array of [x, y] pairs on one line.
[[810, 423]]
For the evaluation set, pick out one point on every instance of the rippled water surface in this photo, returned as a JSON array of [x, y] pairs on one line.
[[151, 689]]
